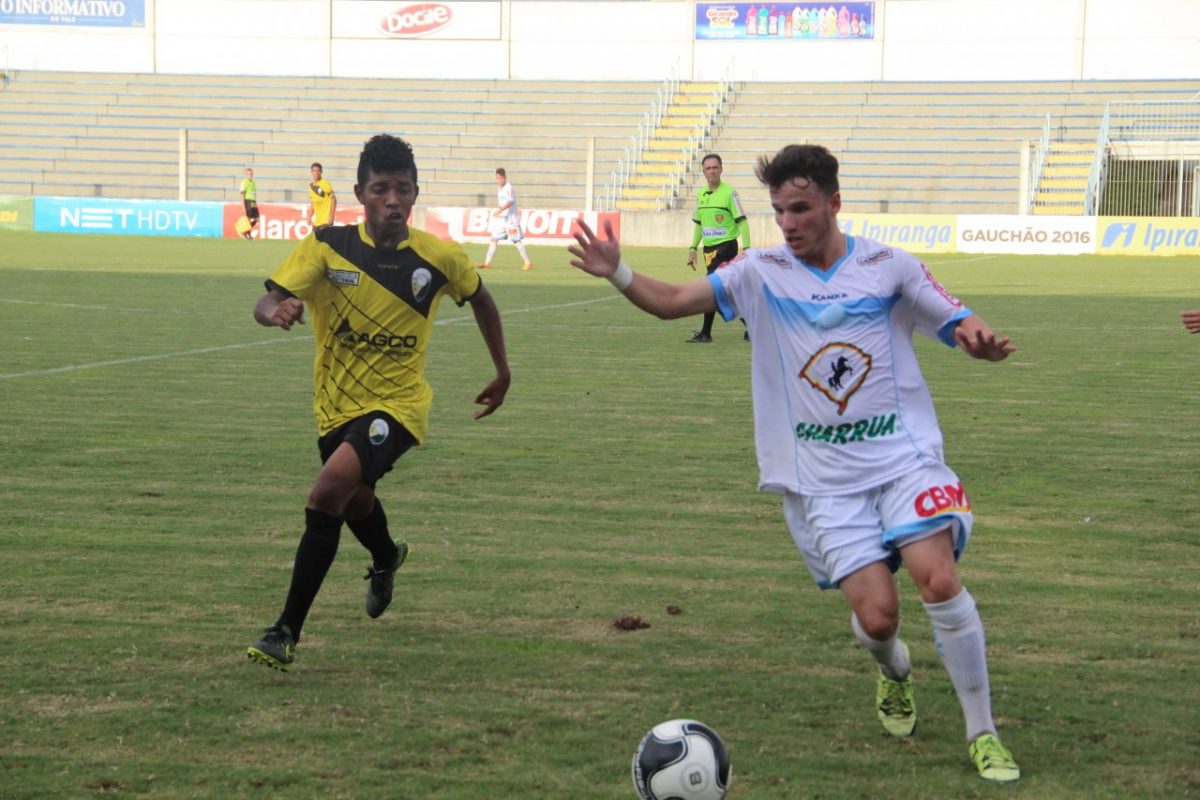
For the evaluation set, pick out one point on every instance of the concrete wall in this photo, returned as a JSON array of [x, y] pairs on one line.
[[934, 40]]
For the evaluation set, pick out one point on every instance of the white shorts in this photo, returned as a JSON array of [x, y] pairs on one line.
[[503, 229], [841, 534]]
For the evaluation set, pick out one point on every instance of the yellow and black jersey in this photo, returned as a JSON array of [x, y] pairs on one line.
[[320, 195], [372, 314]]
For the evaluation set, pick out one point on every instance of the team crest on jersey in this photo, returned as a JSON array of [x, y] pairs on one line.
[[776, 259], [875, 258], [346, 277], [420, 284], [378, 432], [837, 371], [720, 217]]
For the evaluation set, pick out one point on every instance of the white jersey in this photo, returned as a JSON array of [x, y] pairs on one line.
[[506, 194], [840, 405]]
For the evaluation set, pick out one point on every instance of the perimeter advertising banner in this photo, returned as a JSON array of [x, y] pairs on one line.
[[16, 213], [284, 220], [540, 226], [1148, 236], [128, 217], [784, 21], [916, 233], [379, 19], [1048, 235], [74, 13]]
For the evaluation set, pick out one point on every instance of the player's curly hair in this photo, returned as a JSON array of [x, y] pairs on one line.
[[811, 162], [386, 153]]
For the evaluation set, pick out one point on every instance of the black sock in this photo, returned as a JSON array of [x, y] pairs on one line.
[[318, 546], [706, 328], [372, 533]]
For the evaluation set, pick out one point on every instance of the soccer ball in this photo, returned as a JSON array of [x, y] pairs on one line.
[[681, 759]]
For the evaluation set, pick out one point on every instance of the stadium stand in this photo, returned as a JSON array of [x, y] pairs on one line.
[[941, 147], [920, 147], [115, 135]]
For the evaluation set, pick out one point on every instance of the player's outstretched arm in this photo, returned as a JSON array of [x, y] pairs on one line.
[[1191, 321], [602, 258], [977, 340], [487, 317], [276, 309]]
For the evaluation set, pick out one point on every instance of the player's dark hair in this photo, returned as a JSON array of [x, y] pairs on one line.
[[386, 153], [317, 164], [712, 155], [809, 161], [500, 171]]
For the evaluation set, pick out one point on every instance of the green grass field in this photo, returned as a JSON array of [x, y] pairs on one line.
[[156, 448]]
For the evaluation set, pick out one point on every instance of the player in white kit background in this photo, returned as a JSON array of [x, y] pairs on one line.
[[506, 222], [845, 427]]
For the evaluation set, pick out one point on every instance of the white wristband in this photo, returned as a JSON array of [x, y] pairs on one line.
[[622, 277]]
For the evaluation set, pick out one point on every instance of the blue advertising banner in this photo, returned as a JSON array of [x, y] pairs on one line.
[[784, 21], [128, 217], [74, 13]]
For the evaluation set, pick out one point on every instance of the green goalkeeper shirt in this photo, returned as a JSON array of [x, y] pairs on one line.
[[719, 217]]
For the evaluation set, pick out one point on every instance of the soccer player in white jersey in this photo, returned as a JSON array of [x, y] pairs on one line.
[[845, 427], [506, 222]]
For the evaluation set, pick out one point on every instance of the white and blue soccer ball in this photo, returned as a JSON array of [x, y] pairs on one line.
[[681, 759]]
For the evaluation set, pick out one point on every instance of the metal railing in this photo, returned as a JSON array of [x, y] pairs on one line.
[[714, 115], [619, 178], [1145, 159], [1039, 164], [668, 191], [1095, 184]]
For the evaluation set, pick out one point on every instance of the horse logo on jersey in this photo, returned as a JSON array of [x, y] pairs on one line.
[[837, 371], [420, 284]]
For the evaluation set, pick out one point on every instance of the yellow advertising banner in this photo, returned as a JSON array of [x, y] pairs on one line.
[[1148, 236], [16, 213], [916, 233]]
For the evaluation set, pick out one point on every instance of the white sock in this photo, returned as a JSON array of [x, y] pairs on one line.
[[892, 655], [491, 252], [521, 249], [959, 634]]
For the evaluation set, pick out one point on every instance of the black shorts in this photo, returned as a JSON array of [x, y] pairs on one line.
[[719, 254], [377, 438], [251, 210]]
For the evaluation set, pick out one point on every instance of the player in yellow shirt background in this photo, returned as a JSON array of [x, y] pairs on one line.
[[372, 291], [322, 198]]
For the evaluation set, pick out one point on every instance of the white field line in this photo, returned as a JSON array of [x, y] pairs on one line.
[[74, 305], [984, 257], [204, 350]]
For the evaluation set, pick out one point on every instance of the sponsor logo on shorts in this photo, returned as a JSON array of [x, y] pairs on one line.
[[942, 500], [847, 432], [378, 432], [346, 277]]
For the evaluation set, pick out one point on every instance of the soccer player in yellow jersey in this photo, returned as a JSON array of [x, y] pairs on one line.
[[372, 291], [322, 198]]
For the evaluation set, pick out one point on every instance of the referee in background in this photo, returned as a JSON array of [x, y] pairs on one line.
[[720, 221]]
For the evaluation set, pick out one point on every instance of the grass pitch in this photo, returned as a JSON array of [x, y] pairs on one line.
[[156, 447]]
